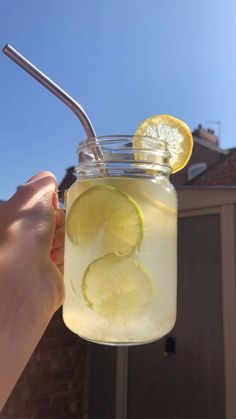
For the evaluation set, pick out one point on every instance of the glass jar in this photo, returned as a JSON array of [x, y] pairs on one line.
[[121, 244]]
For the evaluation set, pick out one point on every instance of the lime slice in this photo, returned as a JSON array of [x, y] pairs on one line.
[[165, 128], [109, 215], [118, 288]]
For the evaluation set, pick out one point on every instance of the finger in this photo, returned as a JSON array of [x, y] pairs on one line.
[[42, 185], [60, 217], [40, 175], [59, 238], [57, 255], [59, 233], [55, 200], [61, 268]]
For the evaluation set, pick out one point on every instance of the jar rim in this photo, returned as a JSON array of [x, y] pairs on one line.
[[148, 153], [115, 137], [153, 143]]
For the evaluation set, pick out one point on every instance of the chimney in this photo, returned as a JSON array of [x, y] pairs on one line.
[[206, 134]]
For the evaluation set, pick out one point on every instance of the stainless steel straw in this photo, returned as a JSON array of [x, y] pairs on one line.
[[57, 91]]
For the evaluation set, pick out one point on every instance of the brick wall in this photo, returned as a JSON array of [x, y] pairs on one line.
[[201, 154], [55, 383], [222, 173]]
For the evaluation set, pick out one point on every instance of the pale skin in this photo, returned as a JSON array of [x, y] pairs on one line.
[[31, 266]]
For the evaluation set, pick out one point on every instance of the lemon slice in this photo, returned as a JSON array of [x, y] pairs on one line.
[[109, 215], [118, 288], [174, 132]]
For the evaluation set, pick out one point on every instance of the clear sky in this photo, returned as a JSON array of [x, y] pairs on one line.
[[123, 60]]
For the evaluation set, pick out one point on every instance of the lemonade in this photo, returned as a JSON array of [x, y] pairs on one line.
[[121, 234], [137, 300]]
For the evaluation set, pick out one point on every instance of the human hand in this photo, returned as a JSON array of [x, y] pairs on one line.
[[31, 265], [32, 246]]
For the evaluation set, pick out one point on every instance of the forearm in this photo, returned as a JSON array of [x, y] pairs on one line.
[[19, 335], [31, 284]]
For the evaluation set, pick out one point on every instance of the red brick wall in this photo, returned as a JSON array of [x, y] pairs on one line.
[[200, 154], [55, 383], [222, 173]]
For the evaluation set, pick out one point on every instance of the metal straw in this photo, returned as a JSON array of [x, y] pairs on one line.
[[57, 91]]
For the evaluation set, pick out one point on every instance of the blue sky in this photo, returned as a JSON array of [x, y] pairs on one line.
[[123, 61]]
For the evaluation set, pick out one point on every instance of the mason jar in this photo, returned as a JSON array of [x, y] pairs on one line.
[[121, 243]]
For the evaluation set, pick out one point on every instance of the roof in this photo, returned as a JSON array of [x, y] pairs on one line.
[[209, 145], [223, 172]]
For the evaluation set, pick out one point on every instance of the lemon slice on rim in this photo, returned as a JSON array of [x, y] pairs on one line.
[[118, 288], [109, 215], [174, 132]]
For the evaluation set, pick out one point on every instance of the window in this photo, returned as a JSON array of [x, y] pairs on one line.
[[195, 170]]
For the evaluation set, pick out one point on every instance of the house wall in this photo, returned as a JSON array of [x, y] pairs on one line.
[[201, 154], [222, 173], [189, 383], [102, 395], [55, 383]]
